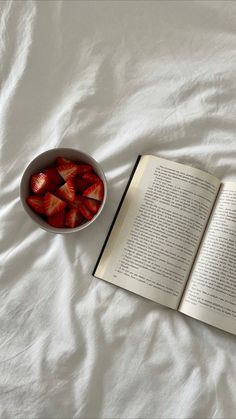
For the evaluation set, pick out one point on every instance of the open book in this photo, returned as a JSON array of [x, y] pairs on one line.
[[173, 241]]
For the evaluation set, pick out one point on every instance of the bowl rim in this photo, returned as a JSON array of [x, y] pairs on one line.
[[34, 216]]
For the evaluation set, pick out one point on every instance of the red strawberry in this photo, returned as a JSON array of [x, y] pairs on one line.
[[36, 203], [85, 205], [95, 191], [84, 168], [68, 170], [85, 212], [39, 183], [92, 205], [53, 175], [73, 218], [53, 204], [61, 160], [77, 201], [52, 187], [91, 178], [57, 220], [80, 184], [67, 191]]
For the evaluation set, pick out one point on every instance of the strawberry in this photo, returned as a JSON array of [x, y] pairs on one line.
[[95, 191], [57, 220], [73, 218], [68, 170], [80, 184], [36, 203], [91, 178], [77, 201], [53, 175], [88, 205], [39, 183], [61, 160], [92, 205], [85, 212], [67, 191], [53, 204], [84, 168]]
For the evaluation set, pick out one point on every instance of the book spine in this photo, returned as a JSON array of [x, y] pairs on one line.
[[117, 212]]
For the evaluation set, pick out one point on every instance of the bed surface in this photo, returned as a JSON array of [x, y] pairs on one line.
[[114, 79]]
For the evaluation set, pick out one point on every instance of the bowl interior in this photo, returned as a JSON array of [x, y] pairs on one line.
[[43, 161]]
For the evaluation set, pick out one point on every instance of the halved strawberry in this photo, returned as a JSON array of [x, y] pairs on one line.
[[80, 184], [53, 175], [85, 212], [84, 168], [77, 201], [68, 170], [73, 218], [92, 205], [52, 204], [91, 178], [61, 160], [57, 220], [67, 191], [39, 183], [95, 191], [36, 203]]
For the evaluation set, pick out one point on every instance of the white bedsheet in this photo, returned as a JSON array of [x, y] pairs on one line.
[[114, 79]]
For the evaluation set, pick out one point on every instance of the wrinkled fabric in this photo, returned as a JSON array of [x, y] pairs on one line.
[[113, 79]]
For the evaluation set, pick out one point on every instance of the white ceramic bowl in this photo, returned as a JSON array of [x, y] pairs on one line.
[[43, 161]]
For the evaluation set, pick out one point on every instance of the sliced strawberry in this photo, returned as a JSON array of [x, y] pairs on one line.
[[95, 191], [68, 170], [39, 183], [77, 201], [52, 187], [85, 212], [73, 218], [92, 205], [36, 203], [61, 160], [53, 175], [91, 178], [57, 220], [84, 168], [80, 184], [53, 204], [67, 191]]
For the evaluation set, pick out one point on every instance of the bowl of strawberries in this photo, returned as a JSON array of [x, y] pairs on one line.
[[63, 190]]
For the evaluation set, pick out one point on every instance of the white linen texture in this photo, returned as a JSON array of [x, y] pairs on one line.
[[114, 79]]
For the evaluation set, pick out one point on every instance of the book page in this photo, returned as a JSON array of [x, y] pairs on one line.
[[154, 240], [210, 295]]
